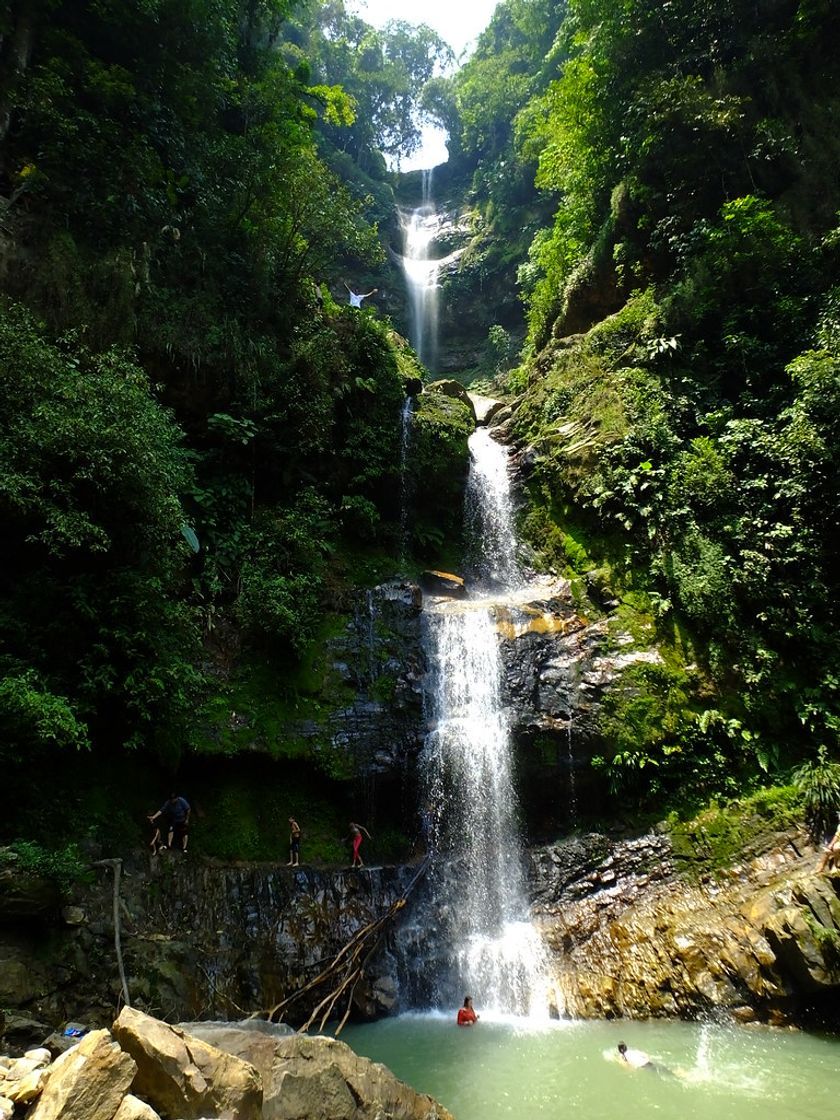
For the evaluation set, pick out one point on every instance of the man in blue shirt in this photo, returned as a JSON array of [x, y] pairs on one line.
[[174, 817]]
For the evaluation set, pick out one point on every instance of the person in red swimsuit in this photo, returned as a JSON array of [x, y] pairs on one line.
[[466, 1014]]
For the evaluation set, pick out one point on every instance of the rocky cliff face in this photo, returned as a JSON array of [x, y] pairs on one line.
[[558, 667], [632, 937], [632, 934], [380, 657], [199, 941]]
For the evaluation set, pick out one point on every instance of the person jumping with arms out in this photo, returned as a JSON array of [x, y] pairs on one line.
[[294, 843], [356, 831], [357, 297]]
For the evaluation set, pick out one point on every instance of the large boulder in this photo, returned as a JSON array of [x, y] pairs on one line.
[[322, 1079], [87, 1082], [183, 1077], [486, 408], [253, 1041], [449, 388]]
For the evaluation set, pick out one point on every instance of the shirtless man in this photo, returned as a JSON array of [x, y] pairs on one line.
[[638, 1059]]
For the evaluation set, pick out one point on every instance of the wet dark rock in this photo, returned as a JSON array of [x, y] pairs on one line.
[[20, 1032], [24, 896], [444, 584]]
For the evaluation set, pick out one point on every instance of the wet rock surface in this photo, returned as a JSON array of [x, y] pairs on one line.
[[632, 937], [382, 659]]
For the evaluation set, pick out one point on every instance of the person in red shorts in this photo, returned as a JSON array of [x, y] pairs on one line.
[[466, 1014], [355, 836]]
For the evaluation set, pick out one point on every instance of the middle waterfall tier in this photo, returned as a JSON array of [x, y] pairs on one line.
[[421, 276]]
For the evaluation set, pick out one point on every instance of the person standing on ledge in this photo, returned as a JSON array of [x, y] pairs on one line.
[[466, 1014], [357, 297], [294, 843], [174, 817], [356, 831]]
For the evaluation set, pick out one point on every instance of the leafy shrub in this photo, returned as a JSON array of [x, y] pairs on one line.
[[818, 782]]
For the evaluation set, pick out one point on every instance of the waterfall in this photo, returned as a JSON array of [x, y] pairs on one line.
[[405, 443], [571, 758], [419, 227], [479, 890], [489, 513]]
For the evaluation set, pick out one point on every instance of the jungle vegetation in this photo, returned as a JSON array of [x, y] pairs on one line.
[[679, 385], [199, 445], [197, 440]]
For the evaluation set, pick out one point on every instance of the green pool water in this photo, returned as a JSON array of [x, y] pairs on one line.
[[565, 1069]]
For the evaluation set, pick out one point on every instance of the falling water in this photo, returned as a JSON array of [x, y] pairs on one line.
[[490, 514], [419, 227], [495, 950], [405, 442], [571, 759]]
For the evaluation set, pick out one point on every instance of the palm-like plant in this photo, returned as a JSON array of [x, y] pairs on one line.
[[818, 780]]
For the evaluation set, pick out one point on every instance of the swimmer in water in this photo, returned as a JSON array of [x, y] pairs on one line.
[[638, 1059]]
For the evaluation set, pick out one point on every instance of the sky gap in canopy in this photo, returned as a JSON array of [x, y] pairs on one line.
[[458, 23]]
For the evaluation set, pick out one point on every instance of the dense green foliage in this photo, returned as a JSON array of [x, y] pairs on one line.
[[381, 71], [200, 449], [680, 387], [194, 434], [93, 619]]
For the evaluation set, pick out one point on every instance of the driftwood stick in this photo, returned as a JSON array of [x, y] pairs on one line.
[[116, 867], [347, 967]]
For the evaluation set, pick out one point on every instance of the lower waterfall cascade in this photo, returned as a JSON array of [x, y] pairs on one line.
[[486, 943]]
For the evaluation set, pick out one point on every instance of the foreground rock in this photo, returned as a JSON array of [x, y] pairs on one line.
[[181, 1076], [321, 1078], [633, 938], [132, 1108], [87, 1082], [214, 1070]]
